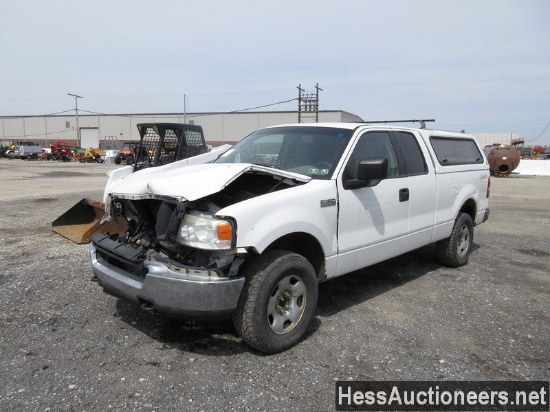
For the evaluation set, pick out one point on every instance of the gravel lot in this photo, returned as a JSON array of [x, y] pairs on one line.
[[65, 345]]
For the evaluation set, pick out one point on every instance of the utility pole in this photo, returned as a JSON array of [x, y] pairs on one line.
[[308, 105], [317, 88], [76, 97], [184, 108], [300, 91]]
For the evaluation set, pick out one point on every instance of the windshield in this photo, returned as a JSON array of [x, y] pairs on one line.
[[311, 151]]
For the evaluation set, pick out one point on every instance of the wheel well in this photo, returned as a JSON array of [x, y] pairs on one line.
[[304, 245], [470, 208]]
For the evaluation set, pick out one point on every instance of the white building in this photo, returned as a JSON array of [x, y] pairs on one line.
[[111, 131], [108, 130], [485, 139]]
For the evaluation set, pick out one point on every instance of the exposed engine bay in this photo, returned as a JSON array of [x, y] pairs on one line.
[[184, 235]]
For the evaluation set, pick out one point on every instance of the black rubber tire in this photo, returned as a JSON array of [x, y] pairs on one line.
[[455, 250], [118, 160], [130, 160], [263, 276]]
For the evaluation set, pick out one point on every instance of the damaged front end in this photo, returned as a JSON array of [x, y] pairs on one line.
[[178, 256], [172, 259], [166, 229]]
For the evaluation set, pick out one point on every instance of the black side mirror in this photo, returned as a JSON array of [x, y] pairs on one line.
[[367, 171]]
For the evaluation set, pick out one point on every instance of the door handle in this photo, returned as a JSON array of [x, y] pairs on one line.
[[403, 195]]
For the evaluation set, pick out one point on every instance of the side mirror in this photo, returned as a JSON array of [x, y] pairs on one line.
[[368, 170]]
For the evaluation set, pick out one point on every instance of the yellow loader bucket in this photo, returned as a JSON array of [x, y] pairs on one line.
[[82, 220]]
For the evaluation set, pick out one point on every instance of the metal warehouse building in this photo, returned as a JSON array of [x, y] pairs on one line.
[[112, 130], [485, 139]]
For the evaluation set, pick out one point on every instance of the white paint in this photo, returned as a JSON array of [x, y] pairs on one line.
[[533, 167]]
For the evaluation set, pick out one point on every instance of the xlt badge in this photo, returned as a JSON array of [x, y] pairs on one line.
[[328, 202]]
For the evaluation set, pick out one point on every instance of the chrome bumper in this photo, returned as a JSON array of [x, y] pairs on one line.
[[170, 292]]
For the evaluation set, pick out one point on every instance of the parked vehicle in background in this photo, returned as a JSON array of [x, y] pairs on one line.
[[127, 154], [250, 235], [25, 151]]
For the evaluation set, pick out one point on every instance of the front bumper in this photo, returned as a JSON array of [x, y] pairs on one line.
[[170, 292]]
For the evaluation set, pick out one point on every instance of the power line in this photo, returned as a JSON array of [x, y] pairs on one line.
[[541, 133], [87, 111], [130, 115], [51, 114], [265, 105]]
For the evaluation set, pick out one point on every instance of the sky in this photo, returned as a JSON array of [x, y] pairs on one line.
[[478, 66]]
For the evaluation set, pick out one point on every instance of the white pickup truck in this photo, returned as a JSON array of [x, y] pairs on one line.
[[250, 234]]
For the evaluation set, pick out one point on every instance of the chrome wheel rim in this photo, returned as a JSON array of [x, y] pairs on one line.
[[287, 304]]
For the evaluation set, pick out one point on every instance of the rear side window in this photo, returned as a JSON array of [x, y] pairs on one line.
[[453, 151], [414, 161]]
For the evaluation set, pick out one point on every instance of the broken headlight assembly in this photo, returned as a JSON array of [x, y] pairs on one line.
[[202, 231]]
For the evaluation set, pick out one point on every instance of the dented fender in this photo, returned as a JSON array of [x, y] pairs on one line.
[[311, 208]]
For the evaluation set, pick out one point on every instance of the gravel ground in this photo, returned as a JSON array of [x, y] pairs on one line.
[[67, 346]]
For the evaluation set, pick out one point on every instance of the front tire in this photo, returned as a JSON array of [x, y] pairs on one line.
[[278, 301], [455, 250]]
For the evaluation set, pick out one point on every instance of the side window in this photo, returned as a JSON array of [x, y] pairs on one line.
[[373, 144], [414, 160], [456, 151]]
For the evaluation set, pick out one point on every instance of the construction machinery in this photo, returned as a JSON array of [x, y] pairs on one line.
[[159, 144], [538, 150], [90, 156], [526, 152], [60, 151]]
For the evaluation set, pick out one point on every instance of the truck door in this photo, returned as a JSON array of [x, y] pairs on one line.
[[422, 189], [373, 221]]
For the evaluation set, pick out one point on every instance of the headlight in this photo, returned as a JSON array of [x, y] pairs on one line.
[[205, 232]]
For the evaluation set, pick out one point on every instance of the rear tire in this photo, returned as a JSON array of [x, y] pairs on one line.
[[455, 250], [129, 160], [278, 301]]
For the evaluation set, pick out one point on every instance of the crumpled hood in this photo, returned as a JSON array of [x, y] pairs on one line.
[[190, 182]]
